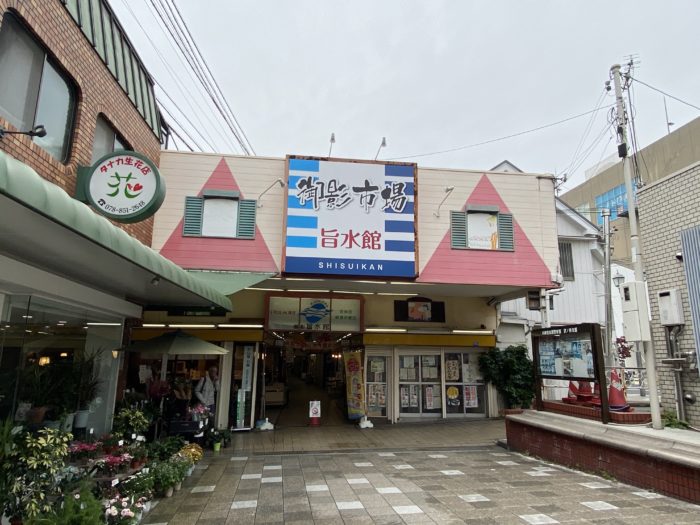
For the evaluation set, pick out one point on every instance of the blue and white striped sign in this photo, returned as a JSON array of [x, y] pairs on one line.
[[350, 218]]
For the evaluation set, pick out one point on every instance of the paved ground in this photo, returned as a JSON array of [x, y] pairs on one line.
[[477, 484]]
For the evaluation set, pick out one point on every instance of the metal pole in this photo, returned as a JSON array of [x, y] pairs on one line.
[[650, 358], [607, 340]]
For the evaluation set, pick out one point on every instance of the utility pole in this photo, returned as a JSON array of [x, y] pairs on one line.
[[637, 262], [605, 212]]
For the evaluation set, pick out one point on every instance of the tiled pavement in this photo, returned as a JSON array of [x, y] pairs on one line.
[[477, 484]]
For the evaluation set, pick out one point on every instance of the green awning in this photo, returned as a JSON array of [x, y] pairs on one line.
[[90, 249], [230, 282]]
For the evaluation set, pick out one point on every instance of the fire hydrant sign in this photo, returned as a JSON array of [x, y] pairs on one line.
[[124, 186], [314, 409], [350, 218]]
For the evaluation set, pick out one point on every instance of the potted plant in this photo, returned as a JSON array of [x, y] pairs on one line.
[[226, 435], [79, 508], [81, 451], [213, 439], [120, 511], [130, 422], [511, 372], [39, 389], [194, 453], [139, 486], [32, 467], [182, 464], [87, 383], [139, 453], [164, 477], [110, 443]]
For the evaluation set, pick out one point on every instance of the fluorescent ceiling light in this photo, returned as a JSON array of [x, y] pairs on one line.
[[407, 282], [473, 332], [103, 324], [300, 279], [397, 294], [240, 326], [153, 325], [369, 282], [191, 326], [266, 289], [348, 291], [385, 329], [309, 291]]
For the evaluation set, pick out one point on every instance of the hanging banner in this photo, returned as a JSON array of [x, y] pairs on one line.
[[354, 384], [247, 377]]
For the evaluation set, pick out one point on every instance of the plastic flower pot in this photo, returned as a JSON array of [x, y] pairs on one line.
[[168, 493], [178, 486], [217, 446]]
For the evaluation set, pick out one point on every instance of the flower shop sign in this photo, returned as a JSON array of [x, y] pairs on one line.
[[124, 186]]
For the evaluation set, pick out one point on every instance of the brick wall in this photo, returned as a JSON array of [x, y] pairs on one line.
[[672, 479], [98, 93], [665, 209]]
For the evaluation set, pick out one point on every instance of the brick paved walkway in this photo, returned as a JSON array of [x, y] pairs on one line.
[[478, 485]]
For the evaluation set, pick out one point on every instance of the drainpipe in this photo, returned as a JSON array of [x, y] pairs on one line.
[[674, 351]]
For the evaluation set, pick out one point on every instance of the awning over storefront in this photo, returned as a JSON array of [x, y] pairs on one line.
[[175, 343], [42, 226], [230, 282]]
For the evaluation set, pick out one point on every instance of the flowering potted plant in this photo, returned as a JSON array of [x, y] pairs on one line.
[[113, 464], [138, 486], [200, 412], [82, 451], [194, 453], [119, 511], [181, 463], [79, 508]]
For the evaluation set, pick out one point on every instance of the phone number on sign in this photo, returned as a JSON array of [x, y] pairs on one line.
[[124, 210]]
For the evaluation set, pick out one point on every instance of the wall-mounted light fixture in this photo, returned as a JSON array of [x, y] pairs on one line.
[[155, 281], [36, 131], [618, 279], [448, 191], [332, 142], [278, 181]]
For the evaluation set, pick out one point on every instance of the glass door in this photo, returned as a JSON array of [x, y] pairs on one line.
[[377, 385], [465, 391], [420, 385]]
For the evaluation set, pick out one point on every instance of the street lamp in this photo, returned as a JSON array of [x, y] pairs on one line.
[[618, 279]]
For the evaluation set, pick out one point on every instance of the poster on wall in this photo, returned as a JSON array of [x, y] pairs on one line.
[[420, 311], [566, 352], [482, 230], [320, 314], [354, 384], [350, 218], [471, 396]]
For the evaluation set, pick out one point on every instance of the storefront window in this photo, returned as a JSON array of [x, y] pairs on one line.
[[58, 360]]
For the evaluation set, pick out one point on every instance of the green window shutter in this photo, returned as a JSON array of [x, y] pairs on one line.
[[458, 229], [246, 219], [506, 239], [192, 225]]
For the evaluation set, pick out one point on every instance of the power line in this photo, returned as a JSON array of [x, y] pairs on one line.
[[664, 93], [182, 88], [172, 117], [216, 84], [586, 132], [196, 65], [468, 146]]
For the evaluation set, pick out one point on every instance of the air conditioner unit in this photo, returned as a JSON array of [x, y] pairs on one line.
[[670, 307]]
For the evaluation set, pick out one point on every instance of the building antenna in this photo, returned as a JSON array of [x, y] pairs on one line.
[[382, 145], [332, 142]]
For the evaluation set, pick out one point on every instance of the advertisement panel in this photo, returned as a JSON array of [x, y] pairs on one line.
[[354, 384], [350, 218], [315, 314]]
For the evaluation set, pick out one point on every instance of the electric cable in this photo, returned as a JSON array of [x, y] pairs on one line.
[[182, 89], [664, 93], [182, 128], [505, 137], [216, 84], [586, 131]]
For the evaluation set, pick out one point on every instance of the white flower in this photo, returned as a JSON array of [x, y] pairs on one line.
[[127, 513], [113, 511]]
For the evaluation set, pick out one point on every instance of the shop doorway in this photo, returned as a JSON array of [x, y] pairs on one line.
[[298, 368]]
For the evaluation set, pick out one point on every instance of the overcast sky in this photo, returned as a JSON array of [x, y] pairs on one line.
[[429, 75]]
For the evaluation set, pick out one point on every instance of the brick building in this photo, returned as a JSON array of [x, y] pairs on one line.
[[669, 220], [73, 90]]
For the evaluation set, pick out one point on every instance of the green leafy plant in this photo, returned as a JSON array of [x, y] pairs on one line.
[[130, 421], [37, 386], [182, 464], [139, 485], [511, 372], [33, 467], [165, 475], [81, 508], [162, 449], [670, 420], [85, 377]]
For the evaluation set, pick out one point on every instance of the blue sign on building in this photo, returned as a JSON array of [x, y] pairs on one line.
[[350, 218]]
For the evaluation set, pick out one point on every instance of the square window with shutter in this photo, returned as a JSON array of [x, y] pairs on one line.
[[220, 214], [482, 228], [566, 261]]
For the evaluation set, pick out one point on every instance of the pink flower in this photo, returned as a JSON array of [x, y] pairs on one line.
[[113, 511], [127, 513]]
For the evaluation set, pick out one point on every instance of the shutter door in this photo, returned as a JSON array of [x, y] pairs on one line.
[[690, 245]]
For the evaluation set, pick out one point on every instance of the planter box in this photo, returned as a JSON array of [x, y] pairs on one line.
[[631, 418]]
